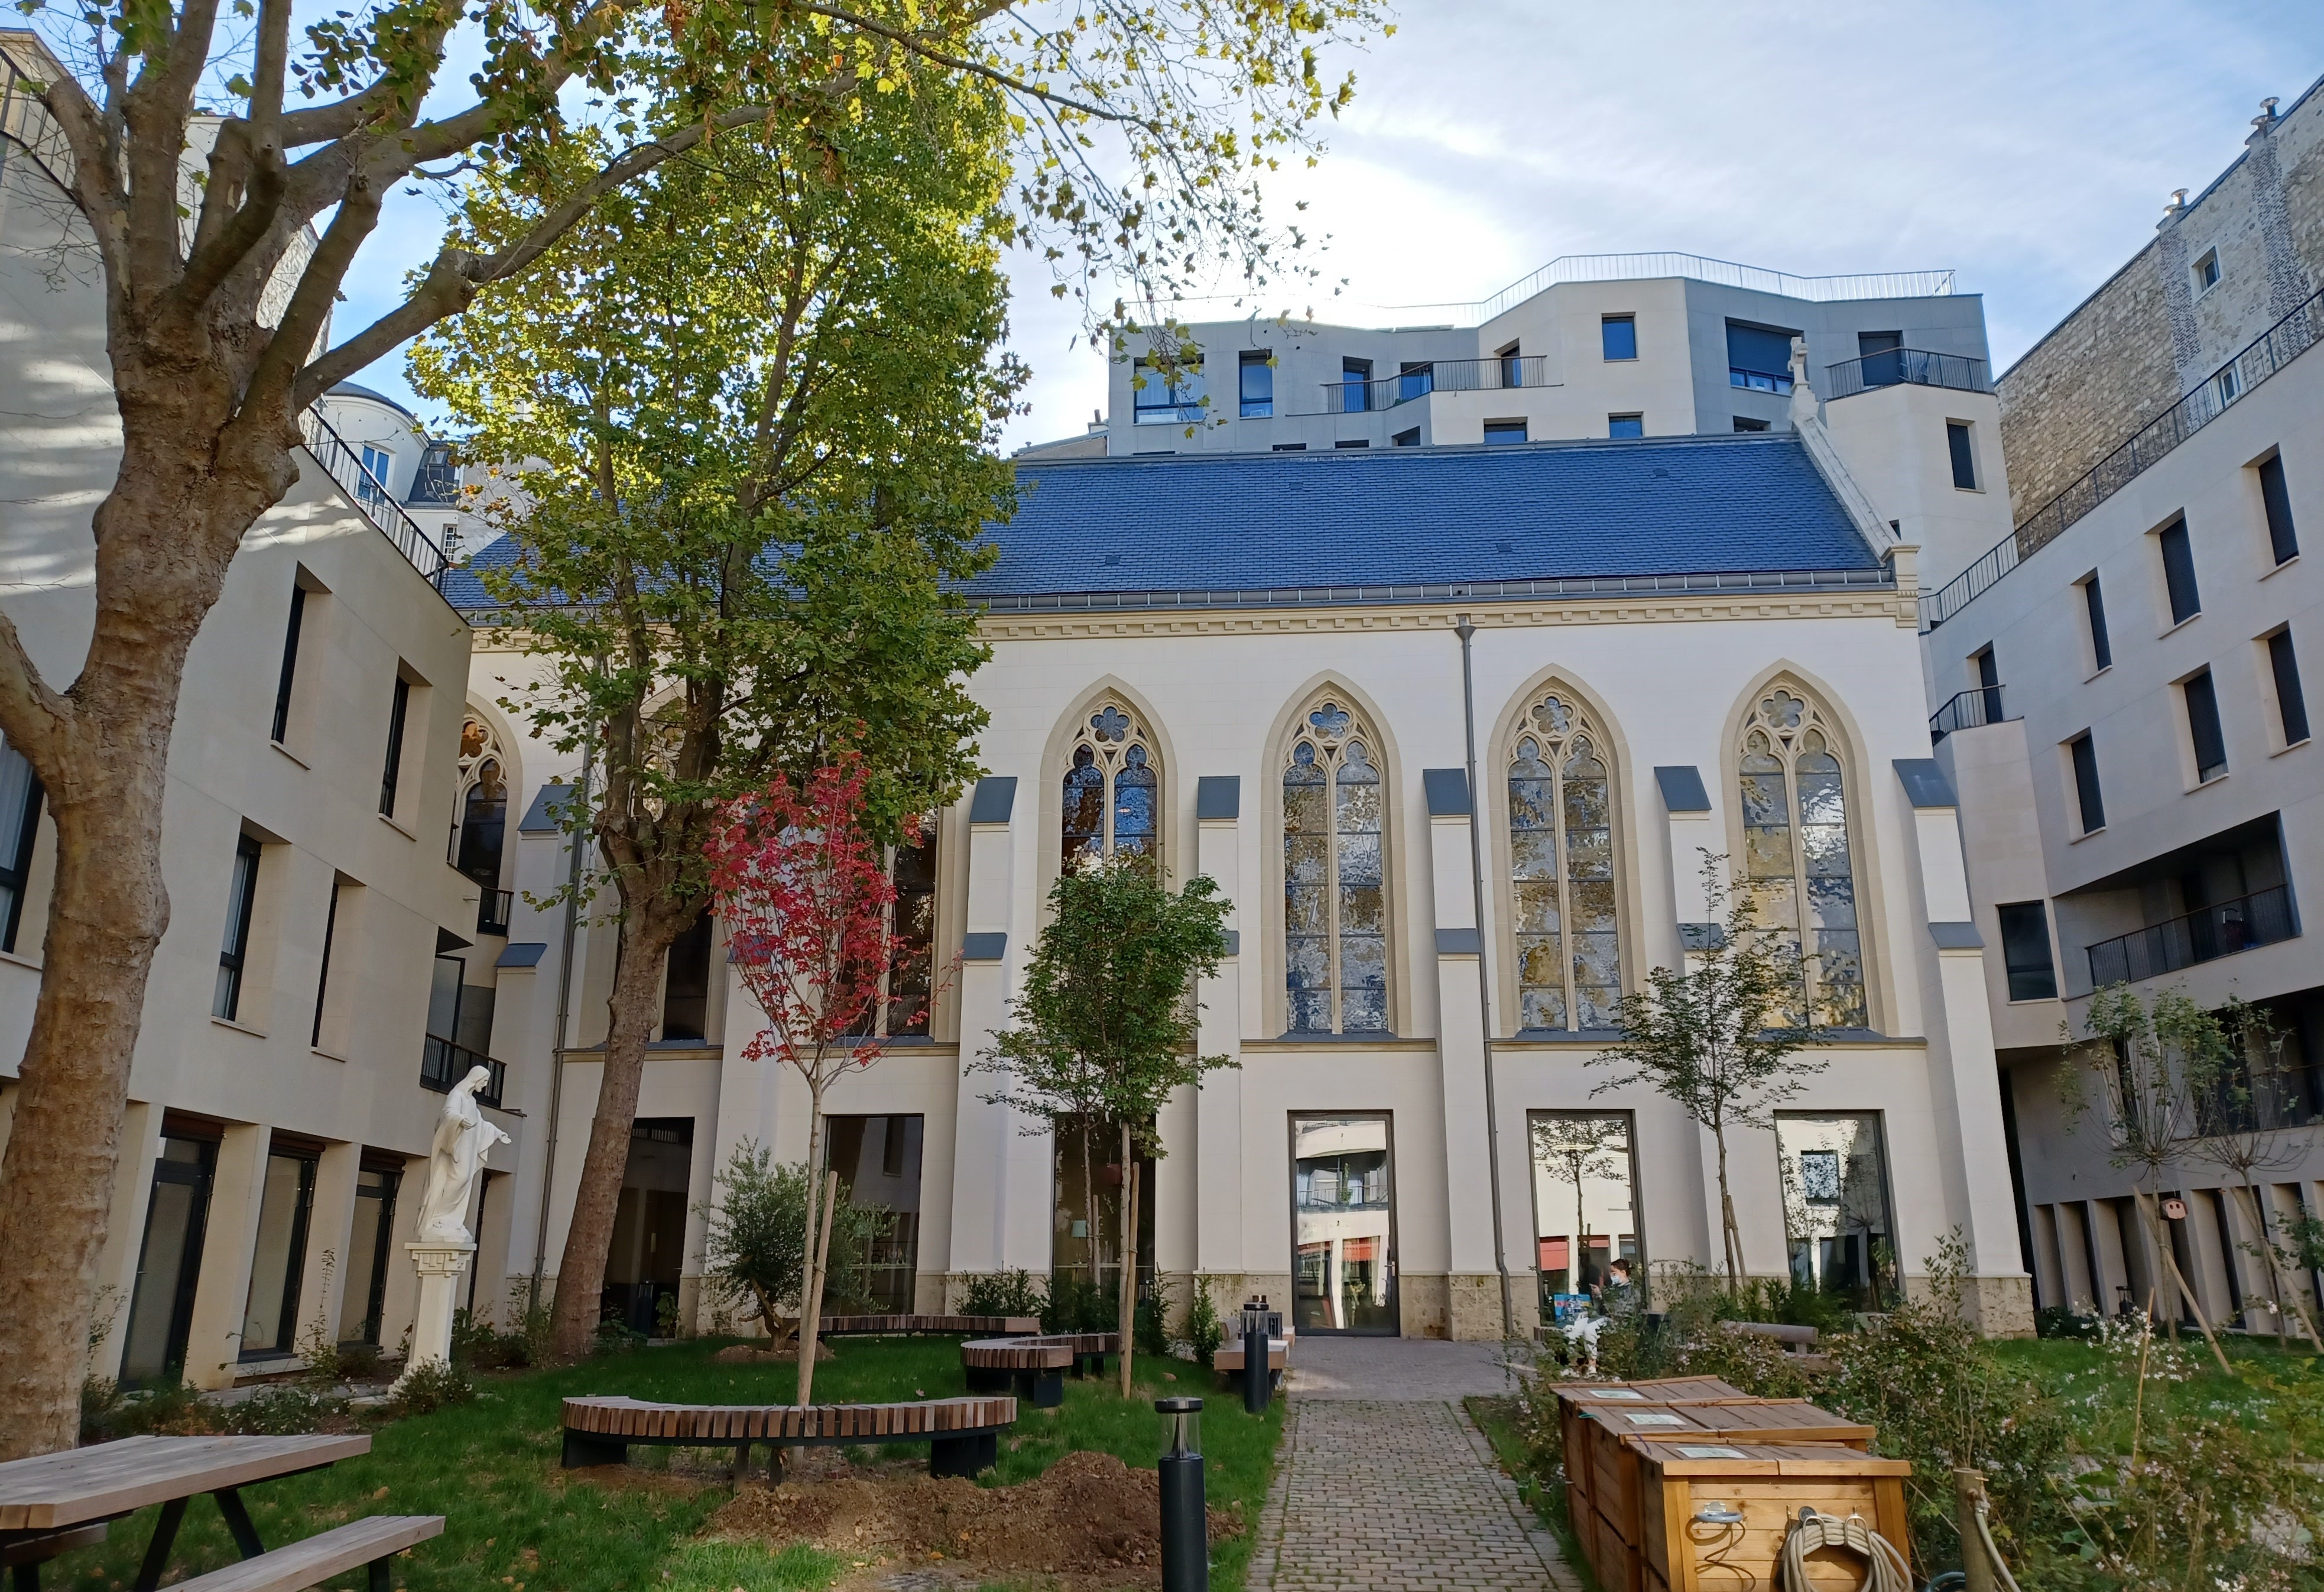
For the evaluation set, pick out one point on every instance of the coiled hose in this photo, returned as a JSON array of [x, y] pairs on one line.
[[1885, 1567]]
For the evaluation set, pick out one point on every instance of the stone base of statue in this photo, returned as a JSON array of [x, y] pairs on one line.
[[441, 1266]]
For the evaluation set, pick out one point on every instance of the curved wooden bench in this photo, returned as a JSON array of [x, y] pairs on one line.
[[961, 1434], [1035, 1365], [918, 1326]]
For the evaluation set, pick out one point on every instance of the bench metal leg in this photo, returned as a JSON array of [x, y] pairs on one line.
[[157, 1552], [585, 1448], [237, 1520], [1044, 1390], [376, 1575], [964, 1455], [984, 1379], [28, 1577]]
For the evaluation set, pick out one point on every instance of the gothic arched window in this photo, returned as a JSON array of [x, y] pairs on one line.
[[1334, 876], [1795, 851], [1562, 869], [480, 810], [1112, 789]]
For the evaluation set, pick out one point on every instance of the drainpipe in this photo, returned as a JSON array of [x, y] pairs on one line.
[[1465, 630], [564, 1016]]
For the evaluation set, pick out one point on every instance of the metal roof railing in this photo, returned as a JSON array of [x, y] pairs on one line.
[[370, 495]]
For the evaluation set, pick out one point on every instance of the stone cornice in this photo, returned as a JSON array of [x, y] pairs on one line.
[[1897, 606]]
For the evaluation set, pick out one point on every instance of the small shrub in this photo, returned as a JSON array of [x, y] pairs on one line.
[[2059, 1321], [479, 1345], [1076, 1304], [108, 1411], [1148, 1330], [666, 1315], [617, 1337], [281, 1409], [437, 1386], [1204, 1330], [1003, 1293]]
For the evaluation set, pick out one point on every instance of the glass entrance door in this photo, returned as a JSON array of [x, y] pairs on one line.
[[1343, 1226], [161, 1307]]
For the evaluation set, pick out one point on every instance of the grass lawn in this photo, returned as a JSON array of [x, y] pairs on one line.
[[2074, 1371], [514, 1519]]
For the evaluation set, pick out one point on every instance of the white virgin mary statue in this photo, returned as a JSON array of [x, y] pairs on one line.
[[462, 1139]]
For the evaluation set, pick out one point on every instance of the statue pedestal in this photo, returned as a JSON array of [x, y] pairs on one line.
[[441, 1266]]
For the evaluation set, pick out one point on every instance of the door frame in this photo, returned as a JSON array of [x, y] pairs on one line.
[[1638, 1265], [200, 1175], [1292, 1120]]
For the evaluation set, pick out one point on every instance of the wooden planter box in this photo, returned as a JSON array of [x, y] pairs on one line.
[[1611, 1436], [1576, 1400], [1768, 1483]]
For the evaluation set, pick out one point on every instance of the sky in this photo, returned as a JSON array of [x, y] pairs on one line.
[[2028, 147]]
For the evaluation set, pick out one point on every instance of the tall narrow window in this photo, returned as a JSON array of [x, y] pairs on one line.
[[323, 979], [480, 814], [289, 661], [1561, 870], [278, 1262], [1334, 880], [1964, 457], [2275, 496], [1512, 360], [242, 895], [902, 1005], [1988, 680], [20, 828], [2210, 742], [393, 772], [2290, 706], [686, 982], [1255, 373], [378, 465], [2179, 571], [1617, 337], [1416, 379], [1355, 385], [1112, 789], [1796, 853], [2094, 608], [2088, 799], [2026, 951]]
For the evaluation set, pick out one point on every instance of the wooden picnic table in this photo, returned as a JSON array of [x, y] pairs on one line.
[[51, 1499]]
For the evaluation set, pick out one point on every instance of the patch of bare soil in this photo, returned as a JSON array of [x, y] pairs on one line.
[[1088, 1521], [746, 1354]]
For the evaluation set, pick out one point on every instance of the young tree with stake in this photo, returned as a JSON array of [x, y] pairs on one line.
[[2240, 1131]]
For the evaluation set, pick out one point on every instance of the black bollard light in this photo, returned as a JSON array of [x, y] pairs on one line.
[[1185, 1523], [1256, 1374]]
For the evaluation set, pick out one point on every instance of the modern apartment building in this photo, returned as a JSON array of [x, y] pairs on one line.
[[2121, 680], [1603, 346]]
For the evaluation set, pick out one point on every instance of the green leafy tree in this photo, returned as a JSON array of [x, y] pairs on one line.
[[221, 172], [755, 1248], [2241, 1130], [1104, 1029], [1578, 1149], [1719, 1039], [757, 397]]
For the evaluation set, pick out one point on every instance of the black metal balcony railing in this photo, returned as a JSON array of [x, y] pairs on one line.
[[1965, 710], [2263, 918], [443, 1064], [2273, 349], [493, 910], [345, 467], [1919, 367], [1445, 375]]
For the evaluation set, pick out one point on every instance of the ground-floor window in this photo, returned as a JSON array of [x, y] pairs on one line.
[[270, 1315], [1085, 1220], [878, 1158], [170, 1259], [1343, 1222], [1836, 1207], [363, 1303], [1585, 1209], [648, 1256]]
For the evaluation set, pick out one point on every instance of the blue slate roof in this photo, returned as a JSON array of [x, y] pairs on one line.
[[1405, 516]]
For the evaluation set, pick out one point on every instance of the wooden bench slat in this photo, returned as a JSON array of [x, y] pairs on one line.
[[298, 1566]]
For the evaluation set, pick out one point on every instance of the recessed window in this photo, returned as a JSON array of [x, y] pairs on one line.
[[323, 978], [1626, 425], [685, 982], [2275, 496], [1159, 400], [1759, 357], [1795, 849], [1111, 789], [2179, 571], [2088, 799], [1353, 442], [2094, 612], [20, 828], [378, 466], [1355, 385], [1618, 336], [1410, 439], [1255, 376], [1505, 430], [1569, 961], [399, 709], [2026, 951], [234, 952], [2210, 742], [1964, 457], [1416, 378], [290, 660], [2206, 272], [2290, 706], [1743, 422], [1512, 365], [1334, 877], [1291, 447]]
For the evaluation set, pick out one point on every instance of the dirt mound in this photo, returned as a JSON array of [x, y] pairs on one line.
[[747, 1354], [1089, 1520]]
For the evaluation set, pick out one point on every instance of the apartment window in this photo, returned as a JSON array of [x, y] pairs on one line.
[[2290, 707], [1989, 679], [1512, 366], [1160, 400], [2094, 609], [1291, 447], [1743, 422], [1355, 385], [2026, 951], [1879, 357], [1618, 336], [242, 895], [323, 979], [377, 462], [1505, 431], [289, 661], [278, 1262], [1353, 442], [2211, 744], [1759, 357], [1964, 457], [686, 982], [2179, 572], [20, 826], [2277, 499], [1255, 379], [1626, 425], [1409, 439], [396, 712], [2206, 272], [1417, 379], [2087, 797]]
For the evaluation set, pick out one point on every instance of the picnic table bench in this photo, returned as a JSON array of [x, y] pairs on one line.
[[962, 1435], [1035, 1365], [55, 1502]]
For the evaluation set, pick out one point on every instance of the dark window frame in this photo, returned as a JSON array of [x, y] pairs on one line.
[[399, 711], [1523, 431], [2276, 503], [16, 869], [1961, 447], [290, 675], [2180, 586], [2206, 732], [2291, 702], [1608, 341], [323, 978], [1615, 421], [1355, 385], [2094, 613], [2089, 798], [233, 953], [1255, 406], [2025, 931]]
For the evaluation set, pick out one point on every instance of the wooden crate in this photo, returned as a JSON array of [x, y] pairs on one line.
[[1575, 1399], [1770, 1483], [1612, 1560], [1614, 1463]]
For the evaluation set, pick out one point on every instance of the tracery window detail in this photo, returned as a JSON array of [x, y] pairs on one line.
[[1562, 869], [1334, 876], [1795, 850], [1112, 789], [480, 809]]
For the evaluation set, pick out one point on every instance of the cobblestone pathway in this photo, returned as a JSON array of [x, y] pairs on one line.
[[1385, 1494]]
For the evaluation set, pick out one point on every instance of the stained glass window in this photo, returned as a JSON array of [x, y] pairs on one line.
[[1561, 870], [1112, 789], [480, 815], [1796, 852], [1334, 877]]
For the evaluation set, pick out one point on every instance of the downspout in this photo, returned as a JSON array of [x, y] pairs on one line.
[[1465, 630], [564, 1016]]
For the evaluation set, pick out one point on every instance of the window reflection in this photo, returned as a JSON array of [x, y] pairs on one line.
[[1836, 1213], [1795, 854], [1343, 1270], [1585, 1215], [1334, 878], [1111, 793], [1561, 870]]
